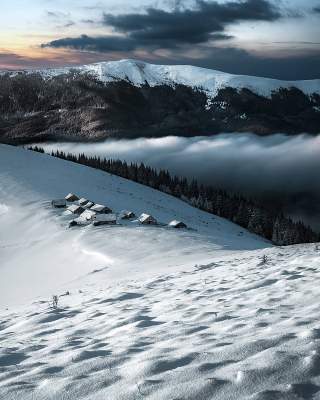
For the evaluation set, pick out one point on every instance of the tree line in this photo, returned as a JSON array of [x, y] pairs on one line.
[[250, 214]]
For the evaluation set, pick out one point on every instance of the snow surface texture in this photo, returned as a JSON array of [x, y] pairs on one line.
[[210, 81], [153, 312]]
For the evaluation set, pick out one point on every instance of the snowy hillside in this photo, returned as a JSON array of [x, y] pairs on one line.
[[139, 73], [152, 312], [39, 250]]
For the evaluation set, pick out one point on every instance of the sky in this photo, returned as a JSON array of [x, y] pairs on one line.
[[278, 39]]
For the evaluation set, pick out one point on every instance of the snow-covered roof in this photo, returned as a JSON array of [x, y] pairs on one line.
[[105, 217], [75, 209], [88, 205], [83, 201], [71, 197], [79, 221], [87, 215], [146, 217], [176, 223], [100, 208], [126, 213]]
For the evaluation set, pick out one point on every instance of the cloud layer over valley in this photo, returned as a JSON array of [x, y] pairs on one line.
[[277, 168]]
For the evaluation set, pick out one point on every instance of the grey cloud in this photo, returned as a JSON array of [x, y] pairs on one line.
[[88, 21], [157, 28], [189, 26], [89, 43], [239, 61]]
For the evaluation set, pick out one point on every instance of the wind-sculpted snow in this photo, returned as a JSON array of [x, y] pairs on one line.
[[146, 312], [231, 329]]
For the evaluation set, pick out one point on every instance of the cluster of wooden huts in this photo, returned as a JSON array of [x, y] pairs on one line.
[[87, 212]]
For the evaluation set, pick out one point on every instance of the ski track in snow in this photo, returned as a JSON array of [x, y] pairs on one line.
[[157, 313]]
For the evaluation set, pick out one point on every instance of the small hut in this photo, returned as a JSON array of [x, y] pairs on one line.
[[177, 224], [75, 209], [147, 219], [88, 205], [127, 214], [78, 222], [88, 215], [104, 219], [71, 197], [60, 203], [99, 208], [83, 201]]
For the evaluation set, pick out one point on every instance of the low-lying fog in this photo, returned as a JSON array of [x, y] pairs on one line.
[[280, 169]]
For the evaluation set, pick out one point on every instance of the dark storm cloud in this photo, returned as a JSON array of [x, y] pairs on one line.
[[158, 28], [100, 44], [189, 26], [317, 9]]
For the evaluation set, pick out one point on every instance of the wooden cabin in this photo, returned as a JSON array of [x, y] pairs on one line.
[[60, 203], [83, 201], [88, 215], [99, 208], [78, 222], [127, 214], [71, 197], [177, 224], [147, 219], [88, 205], [75, 209], [104, 219]]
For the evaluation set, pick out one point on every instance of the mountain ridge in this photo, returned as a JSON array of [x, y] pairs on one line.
[[130, 99], [209, 80]]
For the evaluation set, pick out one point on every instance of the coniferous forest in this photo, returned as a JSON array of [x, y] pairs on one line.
[[249, 214]]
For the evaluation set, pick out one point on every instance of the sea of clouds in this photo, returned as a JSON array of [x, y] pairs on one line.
[[283, 169]]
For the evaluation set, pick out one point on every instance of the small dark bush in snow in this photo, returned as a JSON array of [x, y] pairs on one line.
[[55, 300]]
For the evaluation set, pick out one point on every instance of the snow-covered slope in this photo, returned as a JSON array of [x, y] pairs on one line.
[[152, 312], [139, 73], [38, 253]]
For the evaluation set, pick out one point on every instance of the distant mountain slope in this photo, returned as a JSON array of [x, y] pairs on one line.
[[139, 73], [130, 98]]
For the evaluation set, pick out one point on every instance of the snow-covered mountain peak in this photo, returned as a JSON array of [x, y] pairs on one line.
[[210, 81]]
